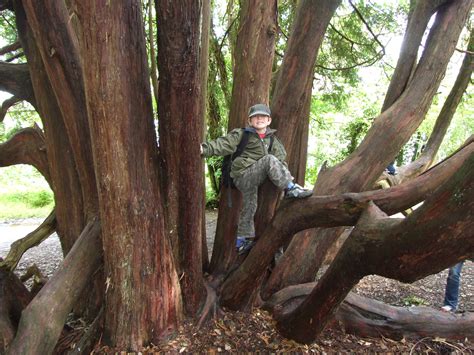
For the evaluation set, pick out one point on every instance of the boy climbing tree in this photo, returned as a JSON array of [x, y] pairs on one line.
[[256, 154]]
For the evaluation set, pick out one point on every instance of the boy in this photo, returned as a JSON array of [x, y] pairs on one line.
[[256, 163]]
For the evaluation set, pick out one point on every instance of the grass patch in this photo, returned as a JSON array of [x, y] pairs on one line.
[[26, 204]]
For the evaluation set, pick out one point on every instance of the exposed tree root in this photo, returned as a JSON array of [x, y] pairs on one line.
[[370, 318], [210, 308], [20, 246]]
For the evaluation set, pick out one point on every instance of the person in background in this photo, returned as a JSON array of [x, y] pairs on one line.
[[451, 293]]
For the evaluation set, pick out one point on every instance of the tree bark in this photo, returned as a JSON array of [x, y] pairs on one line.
[[370, 318], [390, 130], [59, 50], [137, 254], [330, 211], [14, 297], [292, 95], [181, 118], [252, 76], [64, 177], [42, 321], [416, 27], [426, 242]]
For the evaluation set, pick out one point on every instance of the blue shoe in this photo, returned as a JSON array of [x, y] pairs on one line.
[[296, 191], [240, 242], [244, 245]]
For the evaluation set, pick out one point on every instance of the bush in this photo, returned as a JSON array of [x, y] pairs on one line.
[[39, 199]]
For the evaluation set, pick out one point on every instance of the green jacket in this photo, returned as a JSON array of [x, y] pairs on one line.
[[255, 149]]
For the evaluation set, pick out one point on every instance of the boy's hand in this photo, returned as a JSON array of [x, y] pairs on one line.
[[200, 148]]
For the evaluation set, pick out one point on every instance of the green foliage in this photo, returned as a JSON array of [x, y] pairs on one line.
[[414, 301], [7, 27], [212, 199], [24, 193], [350, 45]]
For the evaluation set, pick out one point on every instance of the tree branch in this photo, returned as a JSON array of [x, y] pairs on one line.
[[10, 48], [16, 56], [367, 26], [27, 146], [6, 105], [15, 79], [20, 246]]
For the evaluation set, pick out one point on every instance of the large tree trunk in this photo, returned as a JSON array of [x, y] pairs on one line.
[[137, 253], [252, 75], [59, 50], [181, 132], [390, 130], [444, 119], [406, 64], [65, 180], [291, 99]]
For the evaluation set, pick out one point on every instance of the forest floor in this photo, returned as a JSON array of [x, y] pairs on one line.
[[255, 332]]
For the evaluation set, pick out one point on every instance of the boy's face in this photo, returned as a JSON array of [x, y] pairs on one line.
[[260, 122]]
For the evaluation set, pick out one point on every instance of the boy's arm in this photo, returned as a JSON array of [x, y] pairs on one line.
[[223, 145], [279, 151]]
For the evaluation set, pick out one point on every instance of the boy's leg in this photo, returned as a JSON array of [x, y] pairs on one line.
[[268, 166], [246, 227]]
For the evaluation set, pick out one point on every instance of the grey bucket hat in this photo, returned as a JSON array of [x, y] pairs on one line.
[[259, 109]]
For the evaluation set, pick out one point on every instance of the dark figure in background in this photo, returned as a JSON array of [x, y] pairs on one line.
[[451, 294]]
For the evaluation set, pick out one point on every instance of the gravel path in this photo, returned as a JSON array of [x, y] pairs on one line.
[[428, 291]]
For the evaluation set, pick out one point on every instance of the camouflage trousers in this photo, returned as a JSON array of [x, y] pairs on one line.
[[267, 167]]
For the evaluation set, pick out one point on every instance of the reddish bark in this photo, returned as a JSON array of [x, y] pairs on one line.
[[65, 182], [426, 242], [416, 27], [292, 95], [27, 146], [252, 75], [390, 130], [329, 211], [59, 50], [181, 114], [444, 119], [137, 254]]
